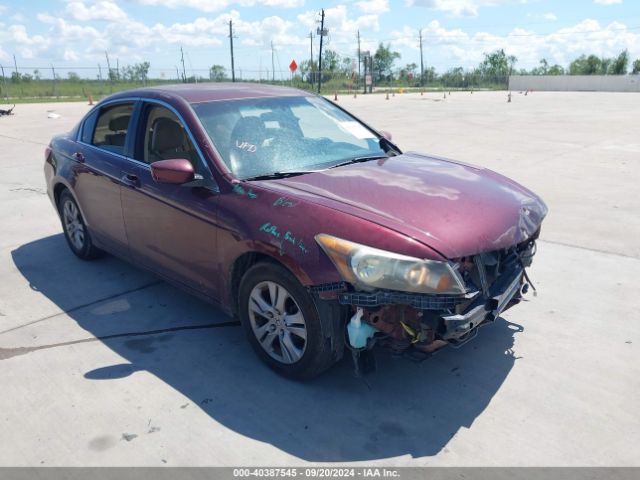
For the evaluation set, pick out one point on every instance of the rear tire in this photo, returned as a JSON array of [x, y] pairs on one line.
[[282, 324], [75, 230]]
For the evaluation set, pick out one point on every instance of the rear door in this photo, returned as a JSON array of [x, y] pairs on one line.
[[171, 229], [103, 144]]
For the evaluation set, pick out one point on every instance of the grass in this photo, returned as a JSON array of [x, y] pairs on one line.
[[65, 90]]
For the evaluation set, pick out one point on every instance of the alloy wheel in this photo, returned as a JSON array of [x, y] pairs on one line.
[[277, 322], [73, 224]]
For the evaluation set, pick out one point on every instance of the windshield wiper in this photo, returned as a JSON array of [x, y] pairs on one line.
[[359, 160], [270, 176]]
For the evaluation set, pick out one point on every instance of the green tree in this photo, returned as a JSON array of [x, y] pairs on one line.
[[330, 60], [584, 65], [619, 64], [409, 70], [346, 66], [308, 70], [455, 78], [217, 73], [383, 61], [73, 76], [556, 70], [636, 67], [141, 71], [497, 65]]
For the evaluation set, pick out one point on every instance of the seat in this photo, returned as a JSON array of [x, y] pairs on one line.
[[119, 126], [168, 141], [248, 154]]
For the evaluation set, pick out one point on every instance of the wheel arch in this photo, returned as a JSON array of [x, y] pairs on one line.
[[247, 260]]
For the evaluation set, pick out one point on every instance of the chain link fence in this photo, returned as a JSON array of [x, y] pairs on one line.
[[74, 83]]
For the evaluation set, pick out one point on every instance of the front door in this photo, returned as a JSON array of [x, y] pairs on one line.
[[171, 228]]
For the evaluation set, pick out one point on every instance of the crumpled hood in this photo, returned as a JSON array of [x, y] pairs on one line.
[[454, 208]]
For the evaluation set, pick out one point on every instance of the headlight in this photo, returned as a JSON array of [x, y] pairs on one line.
[[371, 268]]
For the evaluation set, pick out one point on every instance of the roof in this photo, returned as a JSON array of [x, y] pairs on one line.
[[206, 92]]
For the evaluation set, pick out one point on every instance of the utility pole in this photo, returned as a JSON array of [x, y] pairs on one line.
[[358, 57], [53, 72], [273, 68], [233, 68], [100, 74], [4, 82], [184, 73], [322, 33], [421, 62], [117, 69], [108, 66], [15, 64], [311, 65]]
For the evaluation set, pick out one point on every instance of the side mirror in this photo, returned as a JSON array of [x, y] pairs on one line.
[[176, 171], [386, 134]]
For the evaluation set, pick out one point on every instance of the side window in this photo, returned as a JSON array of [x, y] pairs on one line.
[[111, 128], [88, 126], [165, 138]]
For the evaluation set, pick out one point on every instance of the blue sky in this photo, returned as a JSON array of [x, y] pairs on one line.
[[74, 34]]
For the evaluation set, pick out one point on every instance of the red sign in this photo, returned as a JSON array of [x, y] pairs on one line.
[[293, 66]]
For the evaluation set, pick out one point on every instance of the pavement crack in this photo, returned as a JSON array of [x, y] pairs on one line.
[[84, 305], [6, 353], [23, 140], [28, 189]]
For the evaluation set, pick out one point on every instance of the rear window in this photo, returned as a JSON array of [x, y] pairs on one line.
[[112, 127]]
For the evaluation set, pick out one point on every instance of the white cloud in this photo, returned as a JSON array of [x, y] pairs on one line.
[[373, 6], [607, 2], [446, 48], [552, 17], [100, 10], [457, 8], [218, 5]]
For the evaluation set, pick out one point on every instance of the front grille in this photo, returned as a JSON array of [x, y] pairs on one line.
[[419, 301]]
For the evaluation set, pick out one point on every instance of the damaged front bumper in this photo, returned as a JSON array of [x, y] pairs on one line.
[[419, 324], [459, 327]]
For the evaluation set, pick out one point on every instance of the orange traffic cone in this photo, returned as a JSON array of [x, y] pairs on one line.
[[335, 96], [90, 100]]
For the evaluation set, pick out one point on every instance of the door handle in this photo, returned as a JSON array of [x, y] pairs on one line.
[[79, 157], [131, 180]]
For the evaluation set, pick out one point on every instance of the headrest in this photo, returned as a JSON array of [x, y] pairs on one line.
[[117, 124], [167, 135]]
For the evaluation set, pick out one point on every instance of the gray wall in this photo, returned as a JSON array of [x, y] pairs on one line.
[[576, 83]]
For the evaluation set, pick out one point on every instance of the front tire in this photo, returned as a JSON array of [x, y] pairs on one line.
[[282, 323], [75, 230]]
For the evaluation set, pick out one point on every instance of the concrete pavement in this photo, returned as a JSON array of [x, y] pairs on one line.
[[555, 382]]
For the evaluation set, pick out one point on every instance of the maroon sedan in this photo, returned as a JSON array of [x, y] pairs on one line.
[[290, 213]]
